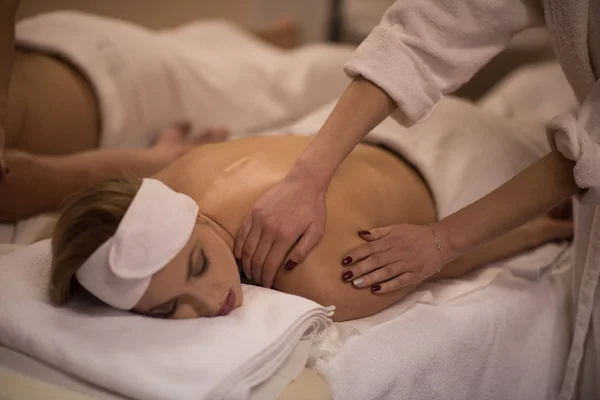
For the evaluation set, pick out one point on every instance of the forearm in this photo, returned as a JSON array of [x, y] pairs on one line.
[[360, 109], [98, 165], [8, 9], [537, 189], [507, 245], [43, 183]]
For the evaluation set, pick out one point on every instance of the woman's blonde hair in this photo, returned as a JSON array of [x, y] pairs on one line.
[[86, 221]]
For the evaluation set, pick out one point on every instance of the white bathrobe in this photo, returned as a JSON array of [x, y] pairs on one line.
[[424, 48]]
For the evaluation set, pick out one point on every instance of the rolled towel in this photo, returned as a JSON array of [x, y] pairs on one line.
[[146, 358]]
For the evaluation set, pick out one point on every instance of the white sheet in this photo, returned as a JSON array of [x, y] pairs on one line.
[[536, 92], [206, 358], [508, 340]]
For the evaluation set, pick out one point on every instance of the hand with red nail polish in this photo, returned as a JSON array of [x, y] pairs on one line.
[[290, 265], [281, 229], [392, 258]]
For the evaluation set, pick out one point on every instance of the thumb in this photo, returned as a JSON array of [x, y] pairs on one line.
[[307, 242], [375, 234]]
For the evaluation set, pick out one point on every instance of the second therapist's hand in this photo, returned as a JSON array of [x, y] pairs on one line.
[[394, 257], [281, 229]]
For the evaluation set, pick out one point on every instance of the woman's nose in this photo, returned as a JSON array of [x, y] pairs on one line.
[[209, 299]]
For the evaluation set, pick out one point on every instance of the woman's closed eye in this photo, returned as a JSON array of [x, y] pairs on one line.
[[198, 263]]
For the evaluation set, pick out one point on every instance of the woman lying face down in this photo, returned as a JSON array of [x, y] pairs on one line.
[[163, 247]]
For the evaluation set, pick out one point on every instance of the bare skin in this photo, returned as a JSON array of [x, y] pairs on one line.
[[8, 10], [52, 125], [372, 187]]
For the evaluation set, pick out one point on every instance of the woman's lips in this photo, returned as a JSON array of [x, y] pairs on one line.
[[228, 304]]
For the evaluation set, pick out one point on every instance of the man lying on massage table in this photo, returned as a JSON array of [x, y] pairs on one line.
[[164, 246], [83, 86]]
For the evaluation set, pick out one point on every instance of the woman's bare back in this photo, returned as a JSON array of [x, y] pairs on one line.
[[372, 188]]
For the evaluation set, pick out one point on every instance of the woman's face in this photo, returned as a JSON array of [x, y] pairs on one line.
[[201, 281]]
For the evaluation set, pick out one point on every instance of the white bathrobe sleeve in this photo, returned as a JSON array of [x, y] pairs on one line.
[[577, 137], [424, 48]]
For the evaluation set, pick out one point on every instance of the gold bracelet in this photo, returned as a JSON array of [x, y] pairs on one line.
[[438, 246]]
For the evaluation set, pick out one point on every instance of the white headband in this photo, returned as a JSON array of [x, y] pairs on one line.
[[154, 229]]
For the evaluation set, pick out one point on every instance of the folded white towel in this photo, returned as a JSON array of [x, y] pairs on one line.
[[141, 357]]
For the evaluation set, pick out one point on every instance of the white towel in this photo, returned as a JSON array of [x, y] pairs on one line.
[[206, 74], [508, 340], [534, 91], [141, 357]]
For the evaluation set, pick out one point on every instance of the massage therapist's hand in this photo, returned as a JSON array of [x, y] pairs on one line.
[[393, 257], [282, 227]]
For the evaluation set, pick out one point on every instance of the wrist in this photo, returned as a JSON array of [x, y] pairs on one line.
[[153, 160], [309, 173], [535, 232], [451, 248]]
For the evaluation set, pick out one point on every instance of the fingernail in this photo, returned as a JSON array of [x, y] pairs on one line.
[[376, 288], [290, 265], [364, 233], [347, 260], [347, 275], [358, 282]]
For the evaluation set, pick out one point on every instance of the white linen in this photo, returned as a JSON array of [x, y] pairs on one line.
[[205, 74], [537, 92], [508, 340], [24, 366], [211, 358], [7, 233]]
